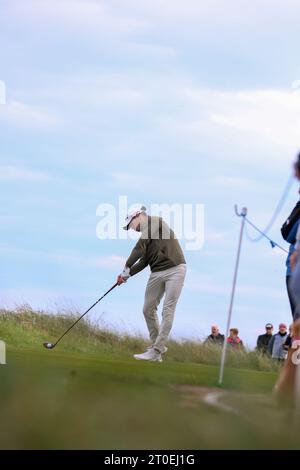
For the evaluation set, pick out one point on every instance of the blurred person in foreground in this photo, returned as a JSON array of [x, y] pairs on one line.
[[295, 261], [290, 233], [287, 387]]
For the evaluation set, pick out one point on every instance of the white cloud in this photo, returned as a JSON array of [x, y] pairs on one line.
[[234, 182], [58, 301], [2, 92], [220, 11], [13, 173], [213, 235], [27, 116], [87, 99], [204, 283], [112, 262], [151, 50], [109, 262], [96, 90], [271, 115], [236, 125], [92, 16], [254, 291], [124, 180]]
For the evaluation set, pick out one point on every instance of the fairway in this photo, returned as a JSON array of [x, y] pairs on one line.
[[55, 400]]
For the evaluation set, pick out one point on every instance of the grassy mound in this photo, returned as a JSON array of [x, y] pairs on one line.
[[25, 328]]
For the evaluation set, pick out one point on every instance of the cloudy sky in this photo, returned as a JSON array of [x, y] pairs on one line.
[[163, 102]]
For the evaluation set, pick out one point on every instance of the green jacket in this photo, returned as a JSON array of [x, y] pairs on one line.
[[157, 247]]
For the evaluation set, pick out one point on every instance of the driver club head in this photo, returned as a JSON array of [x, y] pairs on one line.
[[48, 345]]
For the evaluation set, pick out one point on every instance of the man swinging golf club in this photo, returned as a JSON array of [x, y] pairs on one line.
[[159, 248]]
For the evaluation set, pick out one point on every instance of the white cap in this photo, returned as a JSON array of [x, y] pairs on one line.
[[132, 215]]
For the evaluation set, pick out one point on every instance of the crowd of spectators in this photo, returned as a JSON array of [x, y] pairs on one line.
[[274, 345]]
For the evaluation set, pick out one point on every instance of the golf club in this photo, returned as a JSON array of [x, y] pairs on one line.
[[52, 345]]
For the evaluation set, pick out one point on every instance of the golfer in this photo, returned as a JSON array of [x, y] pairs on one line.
[[159, 248]]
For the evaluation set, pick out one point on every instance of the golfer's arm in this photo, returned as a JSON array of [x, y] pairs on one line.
[[137, 253], [139, 266]]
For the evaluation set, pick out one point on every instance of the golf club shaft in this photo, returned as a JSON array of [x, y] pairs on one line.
[[72, 326]]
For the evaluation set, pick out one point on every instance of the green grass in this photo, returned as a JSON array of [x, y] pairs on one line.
[[24, 327], [90, 394]]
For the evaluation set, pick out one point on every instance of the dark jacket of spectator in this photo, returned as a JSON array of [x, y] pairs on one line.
[[263, 343], [288, 342], [215, 339]]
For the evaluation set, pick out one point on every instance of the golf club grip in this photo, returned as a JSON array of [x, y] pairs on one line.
[[78, 319]]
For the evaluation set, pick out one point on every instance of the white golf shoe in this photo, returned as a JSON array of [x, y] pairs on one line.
[[149, 355], [162, 352]]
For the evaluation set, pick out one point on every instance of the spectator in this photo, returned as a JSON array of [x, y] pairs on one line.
[[263, 340], [275, 347], [215, 337], [234, 340]]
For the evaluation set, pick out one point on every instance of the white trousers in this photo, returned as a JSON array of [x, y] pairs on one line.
[[170, 283]]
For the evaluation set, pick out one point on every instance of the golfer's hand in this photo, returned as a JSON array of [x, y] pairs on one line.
[[120, 280], [293, 260]]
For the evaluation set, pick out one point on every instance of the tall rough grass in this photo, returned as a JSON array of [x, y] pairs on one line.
[[25, 328]]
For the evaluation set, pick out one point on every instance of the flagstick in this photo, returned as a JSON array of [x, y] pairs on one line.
[[243, 215]]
